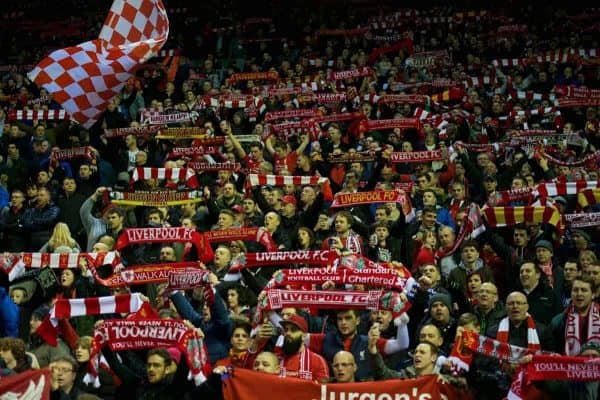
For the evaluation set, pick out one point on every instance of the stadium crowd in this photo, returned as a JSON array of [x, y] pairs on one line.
[[455, 149]]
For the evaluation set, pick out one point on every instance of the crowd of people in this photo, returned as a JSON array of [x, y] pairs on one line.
[[481, 126]]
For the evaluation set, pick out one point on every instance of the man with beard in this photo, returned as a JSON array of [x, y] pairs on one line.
[[297, 360]]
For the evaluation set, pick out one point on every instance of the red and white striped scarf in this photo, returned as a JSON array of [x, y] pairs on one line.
[[281, 180], [15, 264], [68, 308], [21, 115], [574, 325], [533, 341], [304, 372], [551, 189], [187, 175]]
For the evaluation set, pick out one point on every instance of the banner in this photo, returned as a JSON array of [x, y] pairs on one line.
[[259, 235], [244, 384], [563, 368], [123, 132], [582, 220], [310, 257], [382, 124], [195, 151], [132, 236], [33, 384], [360, 198], [350, 74], [144, 274], [137, 334], [416, 156], [199, 166], [380, 278], [163, 119], [162, 198], [186, 175], [187, 278], [193, 132]]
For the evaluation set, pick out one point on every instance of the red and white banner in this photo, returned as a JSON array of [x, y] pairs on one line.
[[361, 198], [133, 236], [146, 333], [385, 278], [281, 180], [245, 384], [563, 368], [416, 156], [187, 278], [299, 113], [383, 124], [33, 384], [350, 74], [45, 115], [144, 274], [309, 257], [186, 175]]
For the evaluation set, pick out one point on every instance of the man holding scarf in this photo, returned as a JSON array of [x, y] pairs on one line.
[[580, 322]]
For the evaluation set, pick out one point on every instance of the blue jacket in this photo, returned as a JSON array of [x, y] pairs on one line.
[[9, 315], [332, 343], [217, 331]]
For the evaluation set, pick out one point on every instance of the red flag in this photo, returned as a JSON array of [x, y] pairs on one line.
[[84, 78], [32, 384]]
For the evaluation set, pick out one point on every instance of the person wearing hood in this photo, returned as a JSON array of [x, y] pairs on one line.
[[43, 351]]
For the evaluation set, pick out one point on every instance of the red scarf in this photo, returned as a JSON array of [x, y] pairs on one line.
[[574, 326], [533, 342]]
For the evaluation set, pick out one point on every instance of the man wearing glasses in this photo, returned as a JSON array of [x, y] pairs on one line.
[[64, 372]]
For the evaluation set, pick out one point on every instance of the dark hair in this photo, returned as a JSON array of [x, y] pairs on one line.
[[469, 243], [17, 348], [241, 324], [429, 209], [468, 318], [162, 353], [346, 214]]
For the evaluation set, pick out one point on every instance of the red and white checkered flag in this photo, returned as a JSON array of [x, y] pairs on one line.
[[84, 78]]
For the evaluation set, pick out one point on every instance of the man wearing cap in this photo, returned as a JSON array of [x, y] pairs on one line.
[[289, 216], [440, 315], [297, 360], [544, 252], [581, 241]]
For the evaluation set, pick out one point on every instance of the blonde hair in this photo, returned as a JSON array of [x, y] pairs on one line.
[[61, 236]]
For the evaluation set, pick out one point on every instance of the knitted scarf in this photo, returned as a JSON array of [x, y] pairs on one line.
[[533, 342], [186, 175], [573, 327], [68, 308]]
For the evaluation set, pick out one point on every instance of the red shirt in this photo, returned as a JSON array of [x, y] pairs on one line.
[[318, 366]]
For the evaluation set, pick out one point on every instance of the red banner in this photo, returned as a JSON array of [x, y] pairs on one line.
[[563, 368], [134, 236], [358, 198], [143, 274], [416, 156], [351, 73], [31, 384], [245, 384], [248, 260]]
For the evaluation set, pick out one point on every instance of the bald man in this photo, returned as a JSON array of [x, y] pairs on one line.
[[488, 310], [344, 367], [517, 324]]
